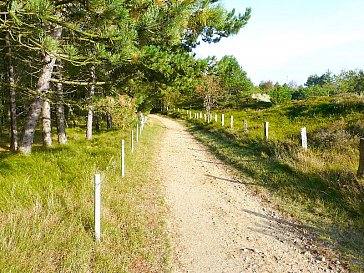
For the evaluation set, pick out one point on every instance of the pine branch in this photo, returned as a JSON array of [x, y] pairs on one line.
[[80, 83]]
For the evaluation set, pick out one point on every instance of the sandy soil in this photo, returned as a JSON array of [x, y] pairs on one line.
[[216, 225]]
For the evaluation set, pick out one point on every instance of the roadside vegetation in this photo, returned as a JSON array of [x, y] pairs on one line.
[[319, 187], [46, 207]]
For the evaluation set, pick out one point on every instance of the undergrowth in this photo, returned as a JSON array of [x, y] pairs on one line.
[[317, 187], [46, 207]]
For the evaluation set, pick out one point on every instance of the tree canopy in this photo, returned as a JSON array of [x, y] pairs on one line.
[[74, 54]]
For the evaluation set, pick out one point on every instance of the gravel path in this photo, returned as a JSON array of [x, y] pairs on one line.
[[216, 225]]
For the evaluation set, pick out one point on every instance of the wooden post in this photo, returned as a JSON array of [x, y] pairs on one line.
[[132, 141], [97, 207], [304, 138], [215, 117], [361, 158], [222, 120], [232, 122], [123, 158], [245, 125], [266, 129]]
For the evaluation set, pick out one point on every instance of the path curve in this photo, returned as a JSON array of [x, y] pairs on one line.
[[215, 224]]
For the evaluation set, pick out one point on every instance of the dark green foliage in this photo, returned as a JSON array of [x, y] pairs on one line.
[[138, 48], [280, 94], [315, 80], [211, 23], [232, 77]]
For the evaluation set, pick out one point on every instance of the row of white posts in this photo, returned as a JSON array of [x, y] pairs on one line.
[[97, 177], [208, 119]]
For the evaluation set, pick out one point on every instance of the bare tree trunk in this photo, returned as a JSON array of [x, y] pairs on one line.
[[91, 106], [12, 98], [71, 117], [47, 123], [3, 110], [61, 121], [97, 121], [108, 120], [35, 108]]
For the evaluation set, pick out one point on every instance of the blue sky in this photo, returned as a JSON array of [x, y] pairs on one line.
[[289, 40]]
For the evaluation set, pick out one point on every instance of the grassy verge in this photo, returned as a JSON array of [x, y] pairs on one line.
[[318, 187], [46, 208]]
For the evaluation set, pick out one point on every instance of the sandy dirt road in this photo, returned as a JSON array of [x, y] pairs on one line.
[[215, 224]]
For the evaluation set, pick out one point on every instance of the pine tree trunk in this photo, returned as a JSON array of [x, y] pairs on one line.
[[61, 124], [71, 117], [47, 122], [108, 120], [12, 98], [30, 125], [35, 108], [97, 121], [91, 106], [61, 121]]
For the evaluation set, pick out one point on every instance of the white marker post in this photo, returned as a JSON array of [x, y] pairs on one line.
[[137, 132], [304, 138], [140, 128], [200, 115], [123, 158], [245, 125], [266, 129], [205, 117], [132, 141], [231, 122], [97, 209], [215, 117], [190, 114], [222, 120]]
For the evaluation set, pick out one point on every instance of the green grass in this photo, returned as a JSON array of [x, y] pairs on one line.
[[46, 207], [319, 187]]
